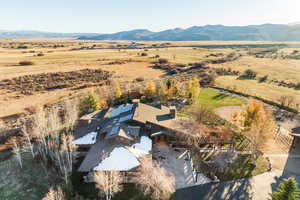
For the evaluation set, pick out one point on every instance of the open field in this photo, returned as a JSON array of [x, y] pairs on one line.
[[127, 64], [280, 69], [252, 87]]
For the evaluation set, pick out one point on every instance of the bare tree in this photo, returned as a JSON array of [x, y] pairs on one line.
[[193, 133], [71, 112], [51, 144], [67, 154], [109, 183], [28, 143], [55, 194], [17, 149], [154, 180], [2, 125], [202, 114]]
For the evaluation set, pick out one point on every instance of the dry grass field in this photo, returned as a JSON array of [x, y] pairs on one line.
[[280, 69], [252, 87], [68, 55]]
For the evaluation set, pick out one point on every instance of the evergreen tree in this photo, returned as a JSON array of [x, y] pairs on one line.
[[287, 190], [92, 103]]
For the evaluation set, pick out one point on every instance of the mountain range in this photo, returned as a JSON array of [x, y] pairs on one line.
[[264, 32], [41, 34]]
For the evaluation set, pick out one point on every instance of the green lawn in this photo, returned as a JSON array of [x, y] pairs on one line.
[[214, 99]]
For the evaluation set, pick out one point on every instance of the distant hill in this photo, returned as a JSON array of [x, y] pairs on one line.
[[41, 34], [264, 32]]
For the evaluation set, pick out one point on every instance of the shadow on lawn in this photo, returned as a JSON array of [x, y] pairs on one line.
[[220, 96]]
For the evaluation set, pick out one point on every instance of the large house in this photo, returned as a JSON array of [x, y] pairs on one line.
[[117, 138]]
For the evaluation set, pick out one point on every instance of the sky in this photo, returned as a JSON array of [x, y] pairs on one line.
[[108, 16]]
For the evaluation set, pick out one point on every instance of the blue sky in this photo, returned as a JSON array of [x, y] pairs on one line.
[[106, 16]]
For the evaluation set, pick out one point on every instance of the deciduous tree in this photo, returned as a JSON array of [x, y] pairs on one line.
[[109, 183], [117, 90], [150, 88], [17, 149], [162, 91], [257, 123], [55, 194], [193, 88], [154, 180]]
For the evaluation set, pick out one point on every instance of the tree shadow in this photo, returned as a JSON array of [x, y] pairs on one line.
[[220, 96], [232, 190], [292, 165]]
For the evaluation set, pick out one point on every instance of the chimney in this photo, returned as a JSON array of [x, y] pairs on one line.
[[173, 112]]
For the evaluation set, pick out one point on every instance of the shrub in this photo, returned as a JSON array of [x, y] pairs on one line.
[[139, 79], [297, 86], [40, 54], [144, 54], [31, 109], [25, 63], [22, 46], [162, 61], [156, 56], [248, 74], [263, 79]]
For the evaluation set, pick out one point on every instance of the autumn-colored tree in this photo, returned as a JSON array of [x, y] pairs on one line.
[[162, 91], [173, 89], [150, 88], [117, 90], [109, 183], [257, 123], [193, 88], [154, 180]]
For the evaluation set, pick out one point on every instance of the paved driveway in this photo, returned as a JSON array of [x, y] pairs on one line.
[[255, 188]]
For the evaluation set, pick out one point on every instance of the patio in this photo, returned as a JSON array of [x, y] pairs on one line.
[[176, 163]]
